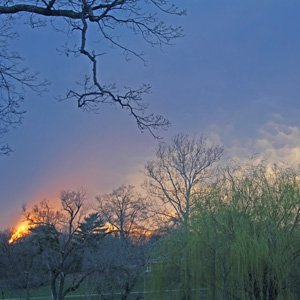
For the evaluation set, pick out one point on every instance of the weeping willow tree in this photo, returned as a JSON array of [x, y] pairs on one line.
[[243, 242]]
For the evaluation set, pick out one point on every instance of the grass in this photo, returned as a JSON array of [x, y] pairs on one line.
[[7, 293], [85, 291]]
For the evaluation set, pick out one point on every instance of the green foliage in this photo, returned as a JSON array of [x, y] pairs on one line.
[[243, 242], [91, 230]]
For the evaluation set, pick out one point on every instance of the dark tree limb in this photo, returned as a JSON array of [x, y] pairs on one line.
[[137, 16]]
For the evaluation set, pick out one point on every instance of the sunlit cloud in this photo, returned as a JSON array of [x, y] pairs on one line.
[[276, 142], [279, 143]]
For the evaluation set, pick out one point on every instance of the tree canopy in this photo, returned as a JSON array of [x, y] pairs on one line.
[[176, 176], [243, 242]]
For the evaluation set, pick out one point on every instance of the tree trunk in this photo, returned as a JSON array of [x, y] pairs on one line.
[[57, 293], [61, 284]]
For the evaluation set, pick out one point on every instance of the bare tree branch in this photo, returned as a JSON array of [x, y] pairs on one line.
[[140, 17], [14, 80], [175, 175]]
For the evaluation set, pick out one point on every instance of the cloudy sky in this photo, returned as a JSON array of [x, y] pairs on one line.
[[234, 77]]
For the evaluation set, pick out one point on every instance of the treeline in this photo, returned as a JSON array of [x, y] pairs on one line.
[[241, 242], [205, 230], [105, 247]]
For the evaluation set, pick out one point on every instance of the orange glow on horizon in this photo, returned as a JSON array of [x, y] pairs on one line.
[[135, 232], [21, 230]]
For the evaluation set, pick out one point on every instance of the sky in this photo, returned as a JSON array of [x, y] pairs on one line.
[[233, 77]]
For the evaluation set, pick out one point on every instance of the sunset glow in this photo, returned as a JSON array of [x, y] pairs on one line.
[[21, 230]]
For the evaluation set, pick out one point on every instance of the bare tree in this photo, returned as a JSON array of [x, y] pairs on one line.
[[14, 80], [42, 214], [124, 210], [62, 237], [176, 181], [126, 213], [175, 175], [140, 17]]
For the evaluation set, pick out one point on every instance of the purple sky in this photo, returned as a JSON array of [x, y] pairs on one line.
[[234, 77]]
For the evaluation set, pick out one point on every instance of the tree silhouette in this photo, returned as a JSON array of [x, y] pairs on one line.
[[110, 18]]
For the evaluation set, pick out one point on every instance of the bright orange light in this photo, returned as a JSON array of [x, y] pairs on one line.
[[135, 232], [21, 230]]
